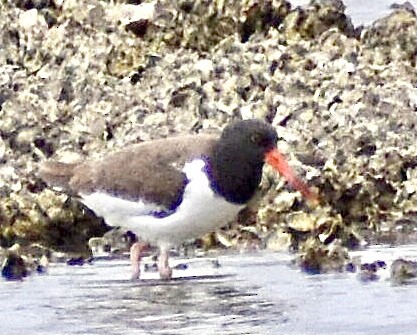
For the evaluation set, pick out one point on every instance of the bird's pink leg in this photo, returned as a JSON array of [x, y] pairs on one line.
[[165, 272], [135, 257]]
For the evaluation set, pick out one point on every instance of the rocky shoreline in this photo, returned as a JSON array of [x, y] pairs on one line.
[[80, 80]]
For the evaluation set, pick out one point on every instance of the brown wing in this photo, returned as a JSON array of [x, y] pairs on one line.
[[150, 170]]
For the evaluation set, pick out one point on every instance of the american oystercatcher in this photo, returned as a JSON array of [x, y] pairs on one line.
[[171, 190]]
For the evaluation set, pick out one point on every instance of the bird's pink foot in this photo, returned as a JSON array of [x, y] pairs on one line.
[[165, 272], [135, 257]]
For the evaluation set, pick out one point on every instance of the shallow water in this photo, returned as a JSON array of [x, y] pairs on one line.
[[248, 294]]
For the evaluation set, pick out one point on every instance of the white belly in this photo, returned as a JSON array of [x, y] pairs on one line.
[[201, 211]]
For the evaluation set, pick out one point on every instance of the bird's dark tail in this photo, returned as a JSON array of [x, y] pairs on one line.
[[57, 173]]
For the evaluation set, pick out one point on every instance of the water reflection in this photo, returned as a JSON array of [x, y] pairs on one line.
[[208, 304]]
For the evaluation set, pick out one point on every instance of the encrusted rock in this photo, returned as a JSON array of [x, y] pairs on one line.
[[77, 81], [317, 258], [312, 21], [392, 38], [403, 271], [14, 267]]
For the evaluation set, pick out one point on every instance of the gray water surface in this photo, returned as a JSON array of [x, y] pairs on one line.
[[249, 294]]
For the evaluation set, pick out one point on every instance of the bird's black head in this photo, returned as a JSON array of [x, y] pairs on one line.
[[238, 158], [251, 137]]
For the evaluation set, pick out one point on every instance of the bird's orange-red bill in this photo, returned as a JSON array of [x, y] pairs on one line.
[[279, 163]]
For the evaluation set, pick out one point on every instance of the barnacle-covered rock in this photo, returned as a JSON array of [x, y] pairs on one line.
[[18, 261], [403, 271], [391, 38], [310, 22], [317, 258], [57, 223], [200, 26], [259, 16], [68, 225], [13, 267], [103, 75]]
